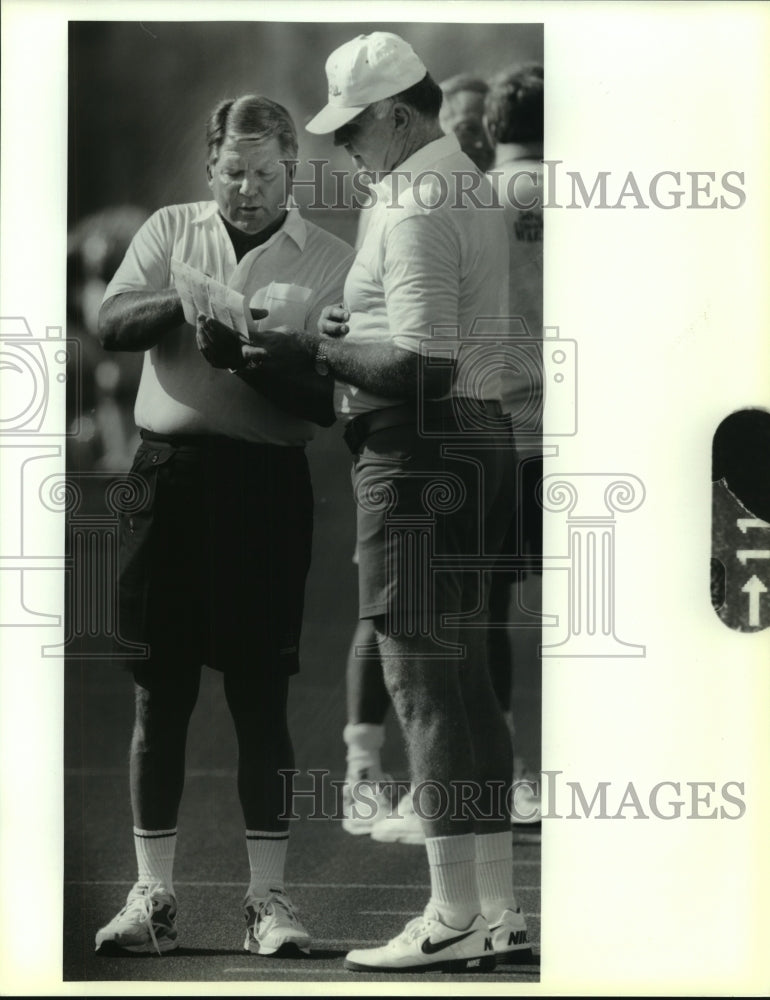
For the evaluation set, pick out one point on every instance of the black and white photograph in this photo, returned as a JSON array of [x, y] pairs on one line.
[[351, 723], [385, 540]]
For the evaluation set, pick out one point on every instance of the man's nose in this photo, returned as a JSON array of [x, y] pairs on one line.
[[249, 185]]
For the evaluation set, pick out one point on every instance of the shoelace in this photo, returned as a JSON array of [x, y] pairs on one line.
[[268, 907], [414, 928], [140, 902]]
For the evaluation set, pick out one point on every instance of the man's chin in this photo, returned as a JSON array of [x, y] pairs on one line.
[[249, 223]]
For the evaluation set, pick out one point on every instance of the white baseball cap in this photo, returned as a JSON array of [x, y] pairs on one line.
[[364, 70]]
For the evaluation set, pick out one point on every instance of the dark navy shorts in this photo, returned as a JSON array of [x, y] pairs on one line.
[[213, 560]]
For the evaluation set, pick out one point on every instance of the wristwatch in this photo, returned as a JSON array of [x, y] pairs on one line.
[[321, 361]]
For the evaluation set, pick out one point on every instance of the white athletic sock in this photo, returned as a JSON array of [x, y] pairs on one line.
[[364, 742], [494, 874], [267, 860], [155, 851], [454, 892]]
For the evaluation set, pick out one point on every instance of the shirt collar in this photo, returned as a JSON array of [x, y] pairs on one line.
[[294, 225], [424, 158]]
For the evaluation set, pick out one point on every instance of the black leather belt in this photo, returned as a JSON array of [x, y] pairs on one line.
[[211, 441], [180, 440], [441, 411]]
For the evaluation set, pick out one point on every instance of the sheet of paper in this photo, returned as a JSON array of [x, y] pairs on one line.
[[204, 295]]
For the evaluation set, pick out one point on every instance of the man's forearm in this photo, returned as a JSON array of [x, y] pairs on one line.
[[379, 368], [136, 321]]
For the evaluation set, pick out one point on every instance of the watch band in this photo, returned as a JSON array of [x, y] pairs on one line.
[[321, 362]]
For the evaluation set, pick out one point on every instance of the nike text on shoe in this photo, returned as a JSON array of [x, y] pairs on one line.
[[145, 925], [509, 938], [401, 825], [273, 927], [364, 803], [427, 945]]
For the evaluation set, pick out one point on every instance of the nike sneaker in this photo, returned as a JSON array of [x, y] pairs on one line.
[[509, 937], [273, 926], [427, 944], [146, 924]]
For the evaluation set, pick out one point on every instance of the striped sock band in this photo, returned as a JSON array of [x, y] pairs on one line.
[[267, 860], [155, 851]]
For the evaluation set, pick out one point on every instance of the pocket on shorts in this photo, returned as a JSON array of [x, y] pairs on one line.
[[391, 448], [135, 526]]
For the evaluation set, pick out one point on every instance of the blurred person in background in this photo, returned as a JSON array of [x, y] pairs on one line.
[[213, 565], [513, 118], [462, 112], [420, 267], [100, 419]]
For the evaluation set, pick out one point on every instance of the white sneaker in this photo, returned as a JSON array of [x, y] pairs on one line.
[[509, 937], [426, 944], [145, 924], [273, 927], [401, 825], [365, 803]]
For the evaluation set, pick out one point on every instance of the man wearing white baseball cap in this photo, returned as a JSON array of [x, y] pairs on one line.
[[433, 476], [362, 71]]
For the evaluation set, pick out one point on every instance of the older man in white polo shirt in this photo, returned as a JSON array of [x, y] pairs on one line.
[[433, 475], [213, 565]]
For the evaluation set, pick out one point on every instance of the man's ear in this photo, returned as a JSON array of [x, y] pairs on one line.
[[402, 115], [209, 174], [490, 128]]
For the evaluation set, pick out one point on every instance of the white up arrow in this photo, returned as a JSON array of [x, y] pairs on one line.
[[754, 587]]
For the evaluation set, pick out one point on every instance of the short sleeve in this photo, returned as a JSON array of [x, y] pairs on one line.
[[421, 277], [146, 265]]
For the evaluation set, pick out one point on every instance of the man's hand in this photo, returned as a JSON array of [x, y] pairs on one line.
[[284, 351], [222, 346], [333, 321]]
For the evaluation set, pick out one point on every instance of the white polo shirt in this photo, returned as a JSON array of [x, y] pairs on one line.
[[430, 266], [294, 274]]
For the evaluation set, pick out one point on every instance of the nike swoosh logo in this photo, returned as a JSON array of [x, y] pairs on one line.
[[498, 926], [431, 947]]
